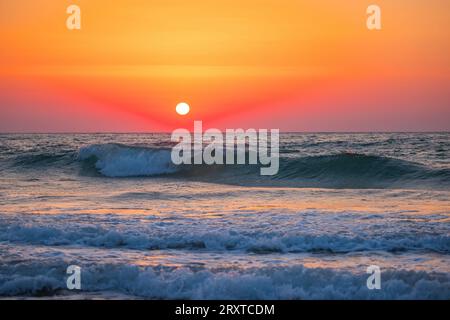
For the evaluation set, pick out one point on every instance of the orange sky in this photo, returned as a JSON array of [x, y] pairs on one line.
[[294, 65]]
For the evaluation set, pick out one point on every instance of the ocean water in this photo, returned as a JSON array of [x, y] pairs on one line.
[[140, 227]]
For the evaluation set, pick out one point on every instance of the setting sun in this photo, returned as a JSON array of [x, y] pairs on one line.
[[182, 108]]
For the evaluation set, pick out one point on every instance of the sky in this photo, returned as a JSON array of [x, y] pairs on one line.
[[294, 65]]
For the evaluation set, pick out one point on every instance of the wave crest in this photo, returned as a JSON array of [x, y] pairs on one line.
[[223, 241], [343, 170], [115, 160], [165, 282]]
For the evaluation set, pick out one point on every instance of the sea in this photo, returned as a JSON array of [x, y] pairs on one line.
[[140, 227]]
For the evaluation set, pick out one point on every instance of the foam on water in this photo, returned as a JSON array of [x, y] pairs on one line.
[[160, 235], [141, 227], [160, 282], [304, 162], [114, 160], [344, 170]]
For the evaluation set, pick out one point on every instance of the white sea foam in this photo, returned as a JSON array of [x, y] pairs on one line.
[[184, 238], [297, 282], [221, 240], [115, 160]]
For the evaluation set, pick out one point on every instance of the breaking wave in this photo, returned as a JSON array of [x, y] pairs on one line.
[[259, 243], [164, 282], [114, 160], [341, 170]]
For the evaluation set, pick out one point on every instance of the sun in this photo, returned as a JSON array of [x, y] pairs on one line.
[[182, 108]]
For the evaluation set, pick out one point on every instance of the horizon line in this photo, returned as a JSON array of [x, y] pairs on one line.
[[169, 132]]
